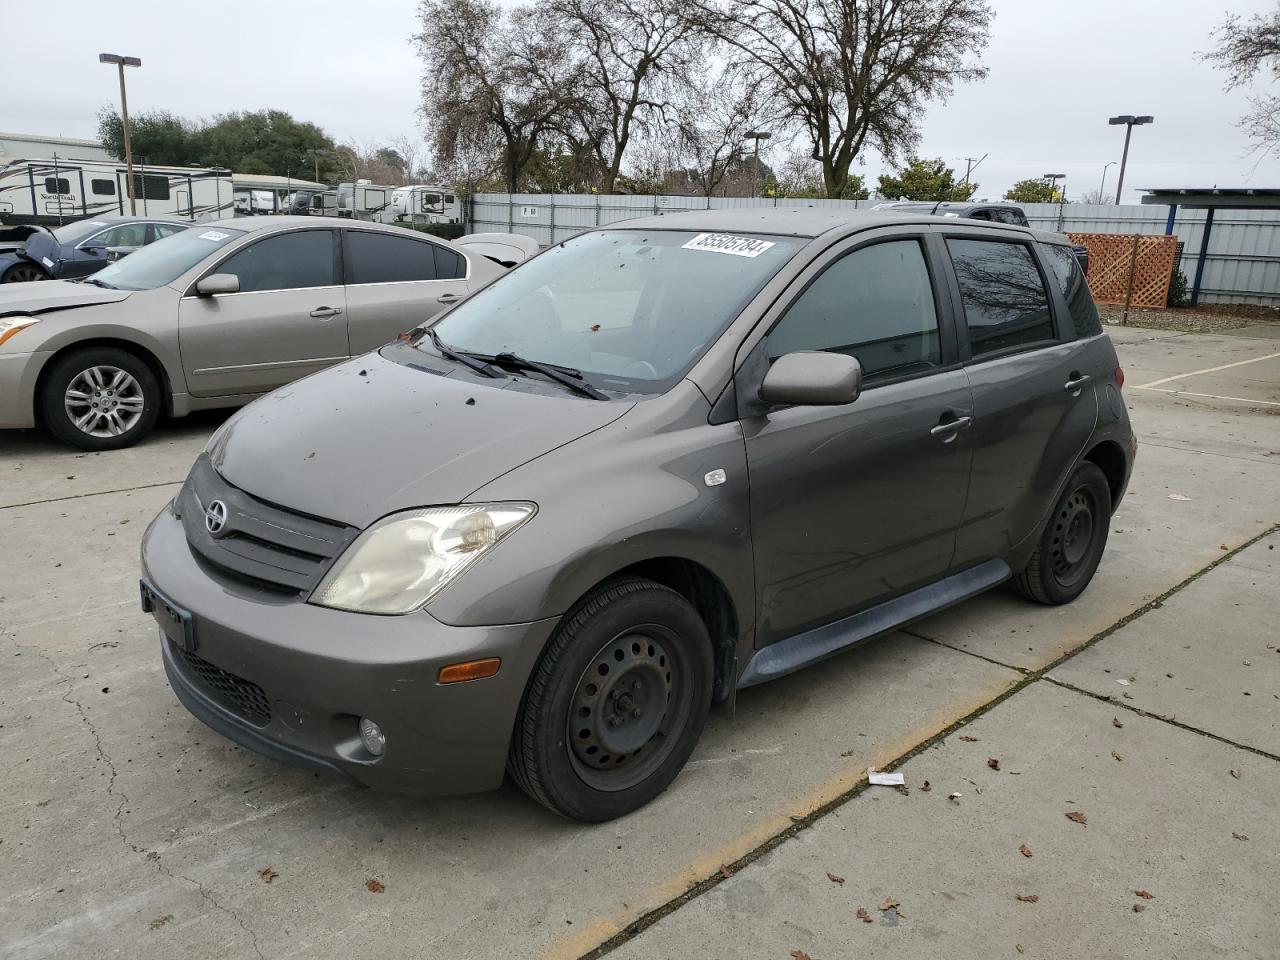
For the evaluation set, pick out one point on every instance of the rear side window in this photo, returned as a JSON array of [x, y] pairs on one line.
[[875, 304], [1005, 303], [58, 185], [1070, 278], [103, 188], [148, 186], [1015, 217], [383, 258], [289, 261], [450, 265]]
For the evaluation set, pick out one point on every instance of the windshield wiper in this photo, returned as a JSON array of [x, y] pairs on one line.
[[97, 283], [564, 375], [466, 359]]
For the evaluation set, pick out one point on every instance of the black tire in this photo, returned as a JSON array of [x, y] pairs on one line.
[[1071, 545], [24, 272], [660, 681], [135, 407]]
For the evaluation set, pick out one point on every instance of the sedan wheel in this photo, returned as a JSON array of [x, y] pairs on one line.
[[104, 401], [99, 398], [23, 273]]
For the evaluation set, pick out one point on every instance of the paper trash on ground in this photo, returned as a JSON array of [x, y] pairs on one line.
[[885, 779]]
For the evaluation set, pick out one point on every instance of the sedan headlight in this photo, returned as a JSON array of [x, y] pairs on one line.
[[11, 325], [403, 560]]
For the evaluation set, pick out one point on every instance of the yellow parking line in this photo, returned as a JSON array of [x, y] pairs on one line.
[[1196, 373]]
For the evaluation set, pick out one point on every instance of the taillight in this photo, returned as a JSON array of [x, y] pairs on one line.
[[1119, 376]]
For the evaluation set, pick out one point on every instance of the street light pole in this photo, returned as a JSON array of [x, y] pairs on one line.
[[1053, 178], [1129, 121], [121, 63], [757, 136], [1102, 187]]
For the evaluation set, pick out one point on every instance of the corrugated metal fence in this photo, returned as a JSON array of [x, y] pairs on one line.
[[1242, 266]]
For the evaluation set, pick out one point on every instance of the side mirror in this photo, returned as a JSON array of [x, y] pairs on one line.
[[216, 283], [812, 379], [93, 250]]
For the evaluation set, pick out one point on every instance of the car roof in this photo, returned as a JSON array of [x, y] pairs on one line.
[[282, 221], [807, 222], [118, 218]]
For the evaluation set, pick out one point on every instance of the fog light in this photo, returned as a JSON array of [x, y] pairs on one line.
[[371, 735]]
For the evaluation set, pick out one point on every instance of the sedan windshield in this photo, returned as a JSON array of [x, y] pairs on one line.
[[165, 260], [632, 310]]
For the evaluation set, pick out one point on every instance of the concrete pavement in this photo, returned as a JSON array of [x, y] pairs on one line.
[[130, 830]]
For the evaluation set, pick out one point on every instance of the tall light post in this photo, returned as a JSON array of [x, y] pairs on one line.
[[121, 63], [1053, 179], [1102, 188], [314, 154], [757, 136], [1129, 121]]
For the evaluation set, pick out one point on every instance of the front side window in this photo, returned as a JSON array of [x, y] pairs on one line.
[[58, 185], [1005, 304], [103, 188], [1066, 271], [632, 309], [384, 258], [875, 304], [288, 261]]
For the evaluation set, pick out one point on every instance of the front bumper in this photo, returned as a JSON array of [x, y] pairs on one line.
[[290, 680], [18, 375]]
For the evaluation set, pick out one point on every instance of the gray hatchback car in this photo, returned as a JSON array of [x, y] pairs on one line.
[[656, 464]]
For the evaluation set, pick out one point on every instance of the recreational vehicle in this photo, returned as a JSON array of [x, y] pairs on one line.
[[54, 192], [363, 200], [425, 204]]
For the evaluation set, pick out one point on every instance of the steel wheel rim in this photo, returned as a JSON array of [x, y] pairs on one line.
[[1074, 530], [104, 401], [24, 274], [611, 747]]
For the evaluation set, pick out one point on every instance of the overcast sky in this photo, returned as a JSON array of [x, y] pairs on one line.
[[1058, 70]]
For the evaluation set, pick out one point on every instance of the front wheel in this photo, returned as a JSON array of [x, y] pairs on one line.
[[616, 703], [23, 273], [1071, 545], [100, 398]]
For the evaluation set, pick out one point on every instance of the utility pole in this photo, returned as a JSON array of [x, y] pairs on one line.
[[121, 63], [1129, 121], [757, 136], [970, 165]]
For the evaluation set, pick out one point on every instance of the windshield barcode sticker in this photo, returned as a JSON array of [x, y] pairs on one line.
[[214, 235], [727, 243]]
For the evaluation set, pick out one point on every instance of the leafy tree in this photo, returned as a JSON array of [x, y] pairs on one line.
[[925, 180], [1034, 190], [851, 73], [1244, 50], [158, 136], [263, 141]]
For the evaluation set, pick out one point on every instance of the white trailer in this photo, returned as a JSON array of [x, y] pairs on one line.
[[54, 192], [421, 203], [363, 200]]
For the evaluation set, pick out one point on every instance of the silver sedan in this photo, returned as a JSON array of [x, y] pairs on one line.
[[214, 317]]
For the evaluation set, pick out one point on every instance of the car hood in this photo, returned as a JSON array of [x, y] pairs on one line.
[[372, 436], [47, 295]]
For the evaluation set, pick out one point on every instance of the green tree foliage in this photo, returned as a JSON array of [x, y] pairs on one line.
[[158, 137], [1033, 191], [925, 180]]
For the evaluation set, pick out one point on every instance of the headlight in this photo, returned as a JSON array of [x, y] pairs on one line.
[[12, 325], [403, 560]]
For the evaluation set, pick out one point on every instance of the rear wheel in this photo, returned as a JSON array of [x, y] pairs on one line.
[[616, 704], [100, 398], [24, 273], [1071, 545]]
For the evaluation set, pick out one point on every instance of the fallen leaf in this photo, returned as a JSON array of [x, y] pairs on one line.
[[1024, 850], [42, 803], [1115, 722], [1076, 816], [310, 456], [595, 328], [374, 886], [1234, 773], [725, 872], [800, 955], [968, 739], [266, 874], [1222, 546], [159, 922], [862, 915], [954, 797], [993, 763], [1139, 907], [889, 904], [1144, 894], [847, 753], [924, 787], [834, 879], [1116, 755], [1028, 898], [1019, 947], [1240, 836]]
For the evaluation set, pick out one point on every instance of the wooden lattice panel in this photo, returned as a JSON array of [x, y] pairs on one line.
[[1111, 263]]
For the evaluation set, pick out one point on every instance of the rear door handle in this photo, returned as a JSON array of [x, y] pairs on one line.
[[1077, 382], [448, 298], [946, 430], [324, 313]]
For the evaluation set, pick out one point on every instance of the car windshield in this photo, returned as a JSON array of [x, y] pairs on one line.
[[73, 233], [631, 309], [165, 260]]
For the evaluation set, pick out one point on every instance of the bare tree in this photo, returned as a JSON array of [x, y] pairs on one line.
[[489, 73], [852, 73], [711, 130], [411, 152], [1244, 50], [1093, 196], [634, 57]]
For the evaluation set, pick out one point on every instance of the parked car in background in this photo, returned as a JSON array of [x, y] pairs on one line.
[[504, 249], [213, 317], [658, 463], [82, 248]]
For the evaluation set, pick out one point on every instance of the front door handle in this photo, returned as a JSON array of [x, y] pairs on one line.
[[949, 426], [324, 313], [1077, 382], [449, 298]]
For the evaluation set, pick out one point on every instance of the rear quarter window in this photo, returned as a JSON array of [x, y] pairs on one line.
[[1075, 290]]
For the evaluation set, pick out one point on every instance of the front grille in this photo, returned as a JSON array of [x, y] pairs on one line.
[[259, 542], [241, 696]]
